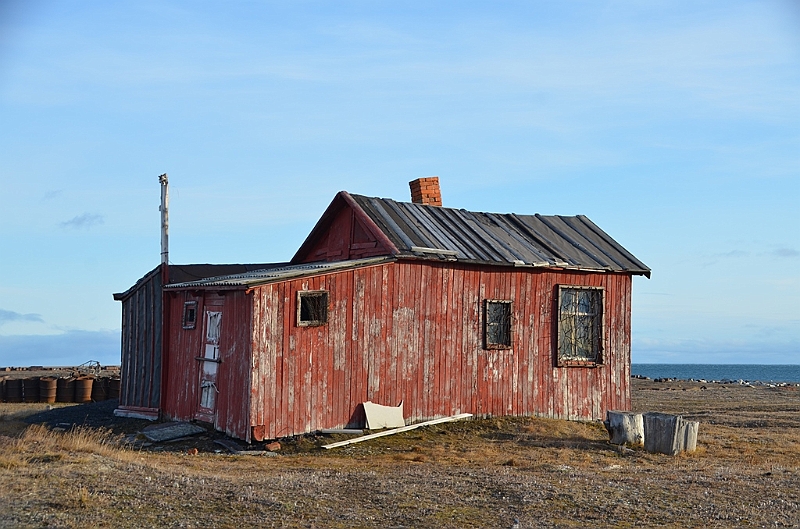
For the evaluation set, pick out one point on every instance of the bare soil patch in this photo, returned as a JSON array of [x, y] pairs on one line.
[[532, 472]]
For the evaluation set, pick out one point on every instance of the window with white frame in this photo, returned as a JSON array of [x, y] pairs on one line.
[[312, 307], [580, 326]]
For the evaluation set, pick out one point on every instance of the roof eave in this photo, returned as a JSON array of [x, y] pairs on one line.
[[246, 284], [519, 264], [122, 296]]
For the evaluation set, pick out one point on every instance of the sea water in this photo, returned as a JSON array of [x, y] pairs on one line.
[[747, 372]]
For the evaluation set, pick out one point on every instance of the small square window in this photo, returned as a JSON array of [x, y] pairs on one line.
[[497, 324], [312, 308], [580, 326], [189, 314]]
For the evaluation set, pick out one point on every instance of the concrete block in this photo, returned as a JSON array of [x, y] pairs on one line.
[[625, 427], [669, 434]]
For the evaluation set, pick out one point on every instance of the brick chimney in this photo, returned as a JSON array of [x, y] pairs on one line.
[[426, 191]]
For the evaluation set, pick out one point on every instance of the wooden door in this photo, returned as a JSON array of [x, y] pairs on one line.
[[209, 359]]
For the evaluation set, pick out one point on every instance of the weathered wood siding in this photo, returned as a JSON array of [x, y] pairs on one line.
[[140, 369], [233, 372], [346, 237], [412, 331]]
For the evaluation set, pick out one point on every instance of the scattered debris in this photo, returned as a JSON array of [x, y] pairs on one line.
[[180, 439], [134, 414], [236, 449], [92, 367], [379, 416], [350, 431], [397, 430], [171, 430]]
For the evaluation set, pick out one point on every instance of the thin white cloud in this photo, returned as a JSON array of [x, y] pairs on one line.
[[785, 252], [732, 253], [7, 316], [87, 220]]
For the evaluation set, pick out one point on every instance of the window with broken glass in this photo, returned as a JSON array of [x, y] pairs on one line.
[[497, 324], [580, 326], [189, 314], [312, 308]]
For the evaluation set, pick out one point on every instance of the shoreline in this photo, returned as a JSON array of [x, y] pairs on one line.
[[740, 382]]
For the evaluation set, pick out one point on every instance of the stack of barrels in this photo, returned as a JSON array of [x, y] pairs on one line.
[[79, 389]]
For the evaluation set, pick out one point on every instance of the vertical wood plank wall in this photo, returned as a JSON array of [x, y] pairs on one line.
[[233, 372], [140, 368], [412, 331]]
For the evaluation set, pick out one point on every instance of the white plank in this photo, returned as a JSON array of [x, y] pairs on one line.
[[398, 430], [379, 416]]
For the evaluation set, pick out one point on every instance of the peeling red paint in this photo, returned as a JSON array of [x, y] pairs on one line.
[[406, 331]]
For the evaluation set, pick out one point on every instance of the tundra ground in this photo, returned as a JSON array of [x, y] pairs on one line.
[[502, 472]]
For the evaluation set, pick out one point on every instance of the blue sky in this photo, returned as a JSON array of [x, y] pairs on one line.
[[675, 126]]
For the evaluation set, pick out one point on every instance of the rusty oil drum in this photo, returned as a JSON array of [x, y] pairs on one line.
[[83, 389], [14, 390], [47, 389], [30, 389], [100, 389], [113, 388], [65, 389]]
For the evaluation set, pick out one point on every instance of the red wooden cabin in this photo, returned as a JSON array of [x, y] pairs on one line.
[[447, 310]]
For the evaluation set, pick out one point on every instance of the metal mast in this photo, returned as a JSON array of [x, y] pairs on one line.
[[164, 219]]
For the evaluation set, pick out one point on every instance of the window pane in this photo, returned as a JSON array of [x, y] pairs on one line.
[[568, 301], [498, 324], [189, 314], [584, 302], [580, 324], [213, 322], [313, 308]]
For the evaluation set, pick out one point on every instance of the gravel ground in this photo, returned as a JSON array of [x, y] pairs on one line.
[[94, 415], [505, 472]]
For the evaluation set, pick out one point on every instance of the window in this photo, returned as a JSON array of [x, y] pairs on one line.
[[580, 326], [312, 308], [189, 314], [497, 324], [213, 327]]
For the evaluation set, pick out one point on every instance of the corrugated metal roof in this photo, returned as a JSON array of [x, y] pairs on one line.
[[498, 238], [186, 273], [259, 277]]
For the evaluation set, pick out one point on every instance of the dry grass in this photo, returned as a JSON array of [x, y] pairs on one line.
[[483, 473], [36, 444]]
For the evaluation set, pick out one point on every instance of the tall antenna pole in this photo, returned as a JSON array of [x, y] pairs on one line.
[[164, 226], [163, 354]]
